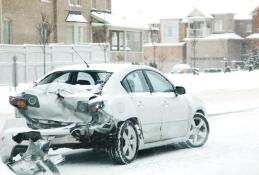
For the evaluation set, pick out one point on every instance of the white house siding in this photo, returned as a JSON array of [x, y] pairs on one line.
[[170, 30]]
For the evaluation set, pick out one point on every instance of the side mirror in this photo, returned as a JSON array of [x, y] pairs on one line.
[[180, 90]]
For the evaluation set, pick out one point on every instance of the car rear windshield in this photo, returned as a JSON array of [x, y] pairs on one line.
[[76, 77]]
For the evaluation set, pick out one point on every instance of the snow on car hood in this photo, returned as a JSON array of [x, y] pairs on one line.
[[59, 102]]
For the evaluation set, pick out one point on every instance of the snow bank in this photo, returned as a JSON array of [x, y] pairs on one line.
[[222, 92], [216, 81], [5, 170]]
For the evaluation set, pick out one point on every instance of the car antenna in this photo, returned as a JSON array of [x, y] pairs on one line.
[[81, 57]]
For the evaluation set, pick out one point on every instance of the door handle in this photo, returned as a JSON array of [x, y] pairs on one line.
[[140, 104], [166, 104]]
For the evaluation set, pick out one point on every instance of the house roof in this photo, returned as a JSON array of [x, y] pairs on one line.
[[115, 21], [164, 44], [75, 16], [243, 17], [253, 36], [222, 36], [196, 13], [147, 27]]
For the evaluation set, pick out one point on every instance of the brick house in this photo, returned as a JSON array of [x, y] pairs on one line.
[[255, 20], [69, 22], [68, 19]]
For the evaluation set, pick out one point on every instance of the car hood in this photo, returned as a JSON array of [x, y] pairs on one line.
[[59, 102]]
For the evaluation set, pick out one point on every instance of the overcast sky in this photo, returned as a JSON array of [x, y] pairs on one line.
[[152, 10]]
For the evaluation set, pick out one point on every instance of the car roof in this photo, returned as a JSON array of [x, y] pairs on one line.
[[100, 67], [108, 67]]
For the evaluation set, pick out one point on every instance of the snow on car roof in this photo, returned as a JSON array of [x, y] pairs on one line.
[[101, 67]]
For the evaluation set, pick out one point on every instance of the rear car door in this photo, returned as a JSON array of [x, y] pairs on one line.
[[149, 113]]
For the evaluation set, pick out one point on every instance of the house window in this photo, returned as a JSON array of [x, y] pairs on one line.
[[168, 31], [75, 34], [94, 4], [117, 40], [196, 25], [7, 31], [134, 41], [108, 5], [75, 2], [218, 26], [249, 28]]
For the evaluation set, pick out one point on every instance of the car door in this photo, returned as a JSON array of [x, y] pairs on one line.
[[149, 113], [175, 107]]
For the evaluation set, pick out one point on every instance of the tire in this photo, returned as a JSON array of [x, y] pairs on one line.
[[199, 131], [125, 143]]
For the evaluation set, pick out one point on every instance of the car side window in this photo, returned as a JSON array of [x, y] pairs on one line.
[[84, 78], [61, 77], [135, 82], [158, 82]]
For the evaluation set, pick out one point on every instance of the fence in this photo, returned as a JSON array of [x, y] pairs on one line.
[[127, 56], [28, 60]]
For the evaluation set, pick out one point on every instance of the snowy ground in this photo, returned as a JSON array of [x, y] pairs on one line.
[[232, 149], [232, 102]]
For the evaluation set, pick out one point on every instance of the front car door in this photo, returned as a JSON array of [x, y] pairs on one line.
[[175, 108], [147, 110]]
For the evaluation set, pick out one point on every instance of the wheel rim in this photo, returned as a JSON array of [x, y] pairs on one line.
[[199, 132], [129, 142]]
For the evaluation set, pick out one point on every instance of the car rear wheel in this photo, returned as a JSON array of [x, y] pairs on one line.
[[199, 131], [124, 147]]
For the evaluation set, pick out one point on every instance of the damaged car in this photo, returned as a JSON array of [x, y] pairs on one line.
[[119, 108]]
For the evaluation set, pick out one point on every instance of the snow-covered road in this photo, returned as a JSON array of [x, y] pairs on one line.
[[232, 149]]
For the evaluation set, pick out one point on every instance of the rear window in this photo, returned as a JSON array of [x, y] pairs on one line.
[[77, 77]]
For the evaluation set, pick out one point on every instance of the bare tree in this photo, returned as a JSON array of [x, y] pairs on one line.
[[224, 46], [101, 36], [155, 38], [44, 29], [162, 58]]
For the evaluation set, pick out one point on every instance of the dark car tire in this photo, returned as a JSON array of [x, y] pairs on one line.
[[125, 144], [199, 131]]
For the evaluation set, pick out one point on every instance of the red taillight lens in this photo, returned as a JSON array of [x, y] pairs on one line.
[[17, 102]]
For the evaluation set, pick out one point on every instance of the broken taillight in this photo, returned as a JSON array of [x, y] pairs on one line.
[[18, 102]]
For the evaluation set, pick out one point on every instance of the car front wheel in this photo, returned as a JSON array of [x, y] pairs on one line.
[[199, 131], [124, 147]]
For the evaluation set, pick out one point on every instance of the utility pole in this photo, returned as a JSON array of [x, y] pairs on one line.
[[194, 42], [15, 79]]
